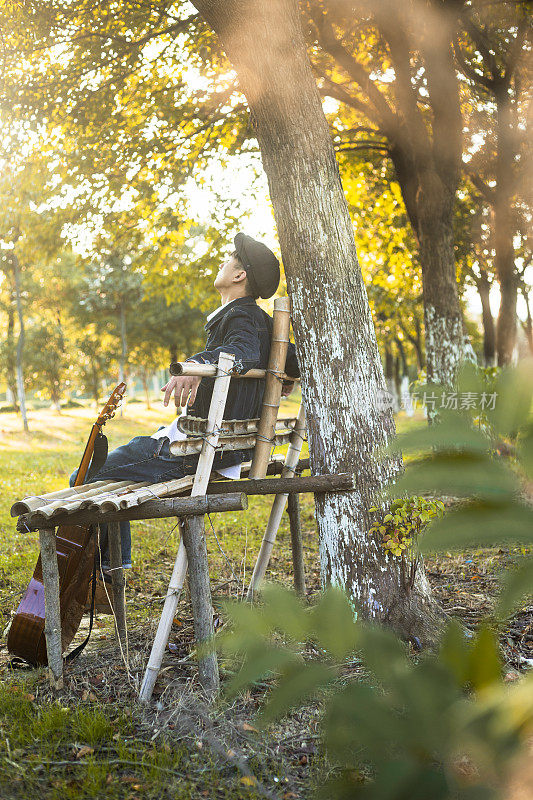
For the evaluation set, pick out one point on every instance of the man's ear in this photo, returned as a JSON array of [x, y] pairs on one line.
[[239, 276]]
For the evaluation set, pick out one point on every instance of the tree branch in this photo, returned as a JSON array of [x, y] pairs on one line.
[[469, 71], [482, 43], [329, 42], [515, 50], [482, 186], [339, 92]]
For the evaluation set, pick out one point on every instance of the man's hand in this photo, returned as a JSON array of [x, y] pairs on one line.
[[182, 386], [287, 388]]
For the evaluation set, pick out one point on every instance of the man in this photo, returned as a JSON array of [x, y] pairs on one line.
[[238, 327]]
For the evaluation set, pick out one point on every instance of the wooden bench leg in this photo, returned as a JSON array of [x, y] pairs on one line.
[[202, 606], [278, 506], [165, 623], [52, 612], [293, 508], [267, 545], [118, 584]]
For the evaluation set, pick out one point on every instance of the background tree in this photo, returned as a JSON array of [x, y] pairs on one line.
[[475, 260], [388, 257], [95, 359], [142, 127], [27, 233], [7, 344], [493, 49], [390, 66]]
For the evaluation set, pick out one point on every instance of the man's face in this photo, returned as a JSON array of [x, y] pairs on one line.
[[227, 273]]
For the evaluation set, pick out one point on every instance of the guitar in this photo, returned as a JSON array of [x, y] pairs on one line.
[[75, 557]]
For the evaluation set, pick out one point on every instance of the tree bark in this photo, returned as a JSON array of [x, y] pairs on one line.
[[95, 384], [20, 346], [528, 324], [403, 358], [123, 351], [442, 313], [504, 230], [489, 333], [199, 586], [335, 338], [11, 376], [295, 524], [389, 376]]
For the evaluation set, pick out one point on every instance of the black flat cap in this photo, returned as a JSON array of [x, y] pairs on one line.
[[260, 263]]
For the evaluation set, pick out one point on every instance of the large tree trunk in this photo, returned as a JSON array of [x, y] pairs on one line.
[[489, 333], [20, 346], [11, 376], [95, 384], [389, 377], [430, 204], [403, 358], [442, 313], [528, 323], [342, 377], [123, 343], [123, 351], [506, 324], [504, 229]]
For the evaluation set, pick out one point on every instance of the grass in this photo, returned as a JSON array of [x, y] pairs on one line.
[[95, 739]]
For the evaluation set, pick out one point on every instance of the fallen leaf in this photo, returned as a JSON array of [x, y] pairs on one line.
[[247, 727], [84, 751], [248, 780], [129, 779]]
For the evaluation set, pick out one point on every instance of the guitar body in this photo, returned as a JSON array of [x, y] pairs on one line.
[[75, 558]]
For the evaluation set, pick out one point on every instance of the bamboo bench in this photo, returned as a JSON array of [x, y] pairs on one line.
[[111, 502]]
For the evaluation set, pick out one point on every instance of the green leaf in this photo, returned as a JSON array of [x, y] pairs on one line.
[[525, 450], [247, 619], [480, 524], [261, 660], [333, 625], [514, 395], [383, 653], [296, 683], [458, 475], [516, 584], [360, 717], [285, 612], [484, 668], [408, 779], [453, 431], [454, 652]]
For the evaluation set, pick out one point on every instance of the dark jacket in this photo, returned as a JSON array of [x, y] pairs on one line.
[[245, 330]]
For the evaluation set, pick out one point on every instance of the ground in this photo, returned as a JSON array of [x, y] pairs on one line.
[[95, 738]]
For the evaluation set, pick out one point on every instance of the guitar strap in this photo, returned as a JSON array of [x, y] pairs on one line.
[[77, 650], [99, 456]]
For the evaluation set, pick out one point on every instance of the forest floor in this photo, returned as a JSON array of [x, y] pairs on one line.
[[94, 738]]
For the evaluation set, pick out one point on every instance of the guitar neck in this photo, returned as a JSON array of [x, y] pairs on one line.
[[107, 413], [87, 455]]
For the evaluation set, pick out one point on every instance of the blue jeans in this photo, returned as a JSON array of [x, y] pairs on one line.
[[142, 459]]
